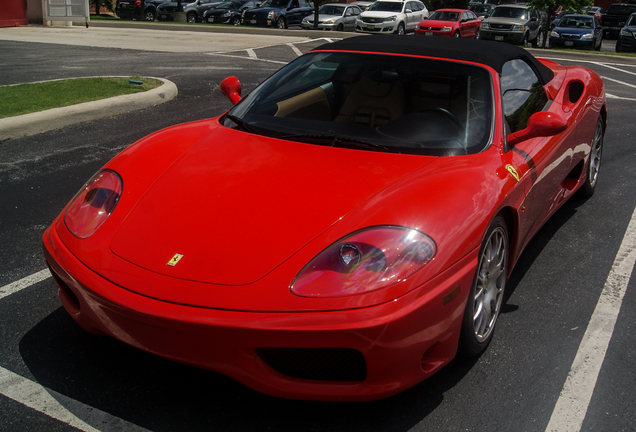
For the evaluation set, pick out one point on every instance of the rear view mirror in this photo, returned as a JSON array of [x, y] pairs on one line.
[[231, 88], [540, 124]]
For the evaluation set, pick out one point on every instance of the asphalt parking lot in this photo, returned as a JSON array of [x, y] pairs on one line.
[[53, 376]]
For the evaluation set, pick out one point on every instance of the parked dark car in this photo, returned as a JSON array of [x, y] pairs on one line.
[[627, 36], [596, 11], [228, 12], [481, 10], [194, 10], [139, 9], [518, 24], [557, 18], [577, 31], [278, 13], [616, 17]]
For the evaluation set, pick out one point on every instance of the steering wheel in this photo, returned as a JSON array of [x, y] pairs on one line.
[[443, 112]]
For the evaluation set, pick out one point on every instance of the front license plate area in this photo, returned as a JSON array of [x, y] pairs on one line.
[[499, 38], [569, 43]]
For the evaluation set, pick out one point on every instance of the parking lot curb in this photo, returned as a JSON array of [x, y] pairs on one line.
[[44, 121]]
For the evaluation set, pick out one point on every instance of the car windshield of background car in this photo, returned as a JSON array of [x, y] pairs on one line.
[[509, 12], [331, 10], [576, 23], [373, 102], [444, 16], [381, 6]]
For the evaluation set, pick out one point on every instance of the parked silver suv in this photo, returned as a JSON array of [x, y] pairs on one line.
[[513, 23]]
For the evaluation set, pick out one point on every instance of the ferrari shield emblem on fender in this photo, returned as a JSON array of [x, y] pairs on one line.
[[513, 172], [174, 260]]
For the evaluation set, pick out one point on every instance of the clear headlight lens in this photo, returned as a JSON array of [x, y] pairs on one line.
[[391, 18], [227, 14], [587, 36], [270, 15], [365, 261], [446, 29], [518, 27], [330, 21], [554, 34], [484, 25], [93, 204]]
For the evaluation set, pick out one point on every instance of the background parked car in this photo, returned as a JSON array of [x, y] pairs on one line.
[[518, 24], [627, 36], [193, 10], [596, 11], [482, 10], [363, 4], [615, 18], [334, 16], [391, 16], [278, 13], [450, 22], [129, 9], [228, 12], [577, 31]]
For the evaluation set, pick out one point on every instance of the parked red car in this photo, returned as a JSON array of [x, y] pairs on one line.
[[450, 22], [344, 230]]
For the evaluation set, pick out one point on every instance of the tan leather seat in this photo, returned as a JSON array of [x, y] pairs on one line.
[[375, 100]]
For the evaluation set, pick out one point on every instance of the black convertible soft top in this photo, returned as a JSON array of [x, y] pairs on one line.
[[490, 53]]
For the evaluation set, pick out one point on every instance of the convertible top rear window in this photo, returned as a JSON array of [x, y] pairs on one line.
[[375, 102]]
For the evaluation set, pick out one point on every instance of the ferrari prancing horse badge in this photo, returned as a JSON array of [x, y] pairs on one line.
[[174, 260], [513, 172]]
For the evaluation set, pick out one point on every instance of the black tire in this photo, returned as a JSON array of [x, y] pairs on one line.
[[524, 42], [486, 294], [618, 46], [598, 47], [191, 17], [149, 15], [281, 24], [340, 27], [400, 30], [594, 161], [456, 35], [236, 20]]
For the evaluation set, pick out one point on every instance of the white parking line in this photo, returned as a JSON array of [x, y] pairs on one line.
[[571, 407], [24, 283], [60, 407], [294, 49], [47, 401]]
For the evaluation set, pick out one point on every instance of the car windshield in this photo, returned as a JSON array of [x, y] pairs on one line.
[[510, 12], [444, 16], [631, 21], [275, 3], [331, 10], [373, 102], [229, 5], [576, 22], [384, 6], [480, 8]]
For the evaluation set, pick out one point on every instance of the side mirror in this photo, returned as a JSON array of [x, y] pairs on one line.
[[540, 124], [231, 88]]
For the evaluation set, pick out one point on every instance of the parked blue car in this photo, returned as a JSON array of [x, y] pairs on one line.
[[577, 31]]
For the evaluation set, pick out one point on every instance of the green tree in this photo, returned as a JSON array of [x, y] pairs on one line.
[[106, 4], [551, 6]]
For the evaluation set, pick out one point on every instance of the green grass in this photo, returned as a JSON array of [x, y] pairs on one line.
[[27, 98]]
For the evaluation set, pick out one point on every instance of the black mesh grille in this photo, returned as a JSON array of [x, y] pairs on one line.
[[322, 364]]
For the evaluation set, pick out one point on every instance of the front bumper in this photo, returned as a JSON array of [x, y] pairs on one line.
[[321, 26], [504, 36], [385, 27], [571, 43], [385, 348]]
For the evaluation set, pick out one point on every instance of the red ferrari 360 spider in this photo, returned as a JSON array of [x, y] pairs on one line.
[[343, 231]]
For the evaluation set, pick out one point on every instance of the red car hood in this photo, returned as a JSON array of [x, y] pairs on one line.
[[237, 205]]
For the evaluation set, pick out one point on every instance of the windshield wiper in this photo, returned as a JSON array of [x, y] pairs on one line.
[[334, 141], [240, 123]]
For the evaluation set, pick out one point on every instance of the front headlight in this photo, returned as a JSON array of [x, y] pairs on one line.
[[625, 32], [446, 29], [226, 14], [270, 16], [587, 36], [484, 25], [391, 18], [329, 21], [93, 204], [365, 261], [554, 34], [518, 27]]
